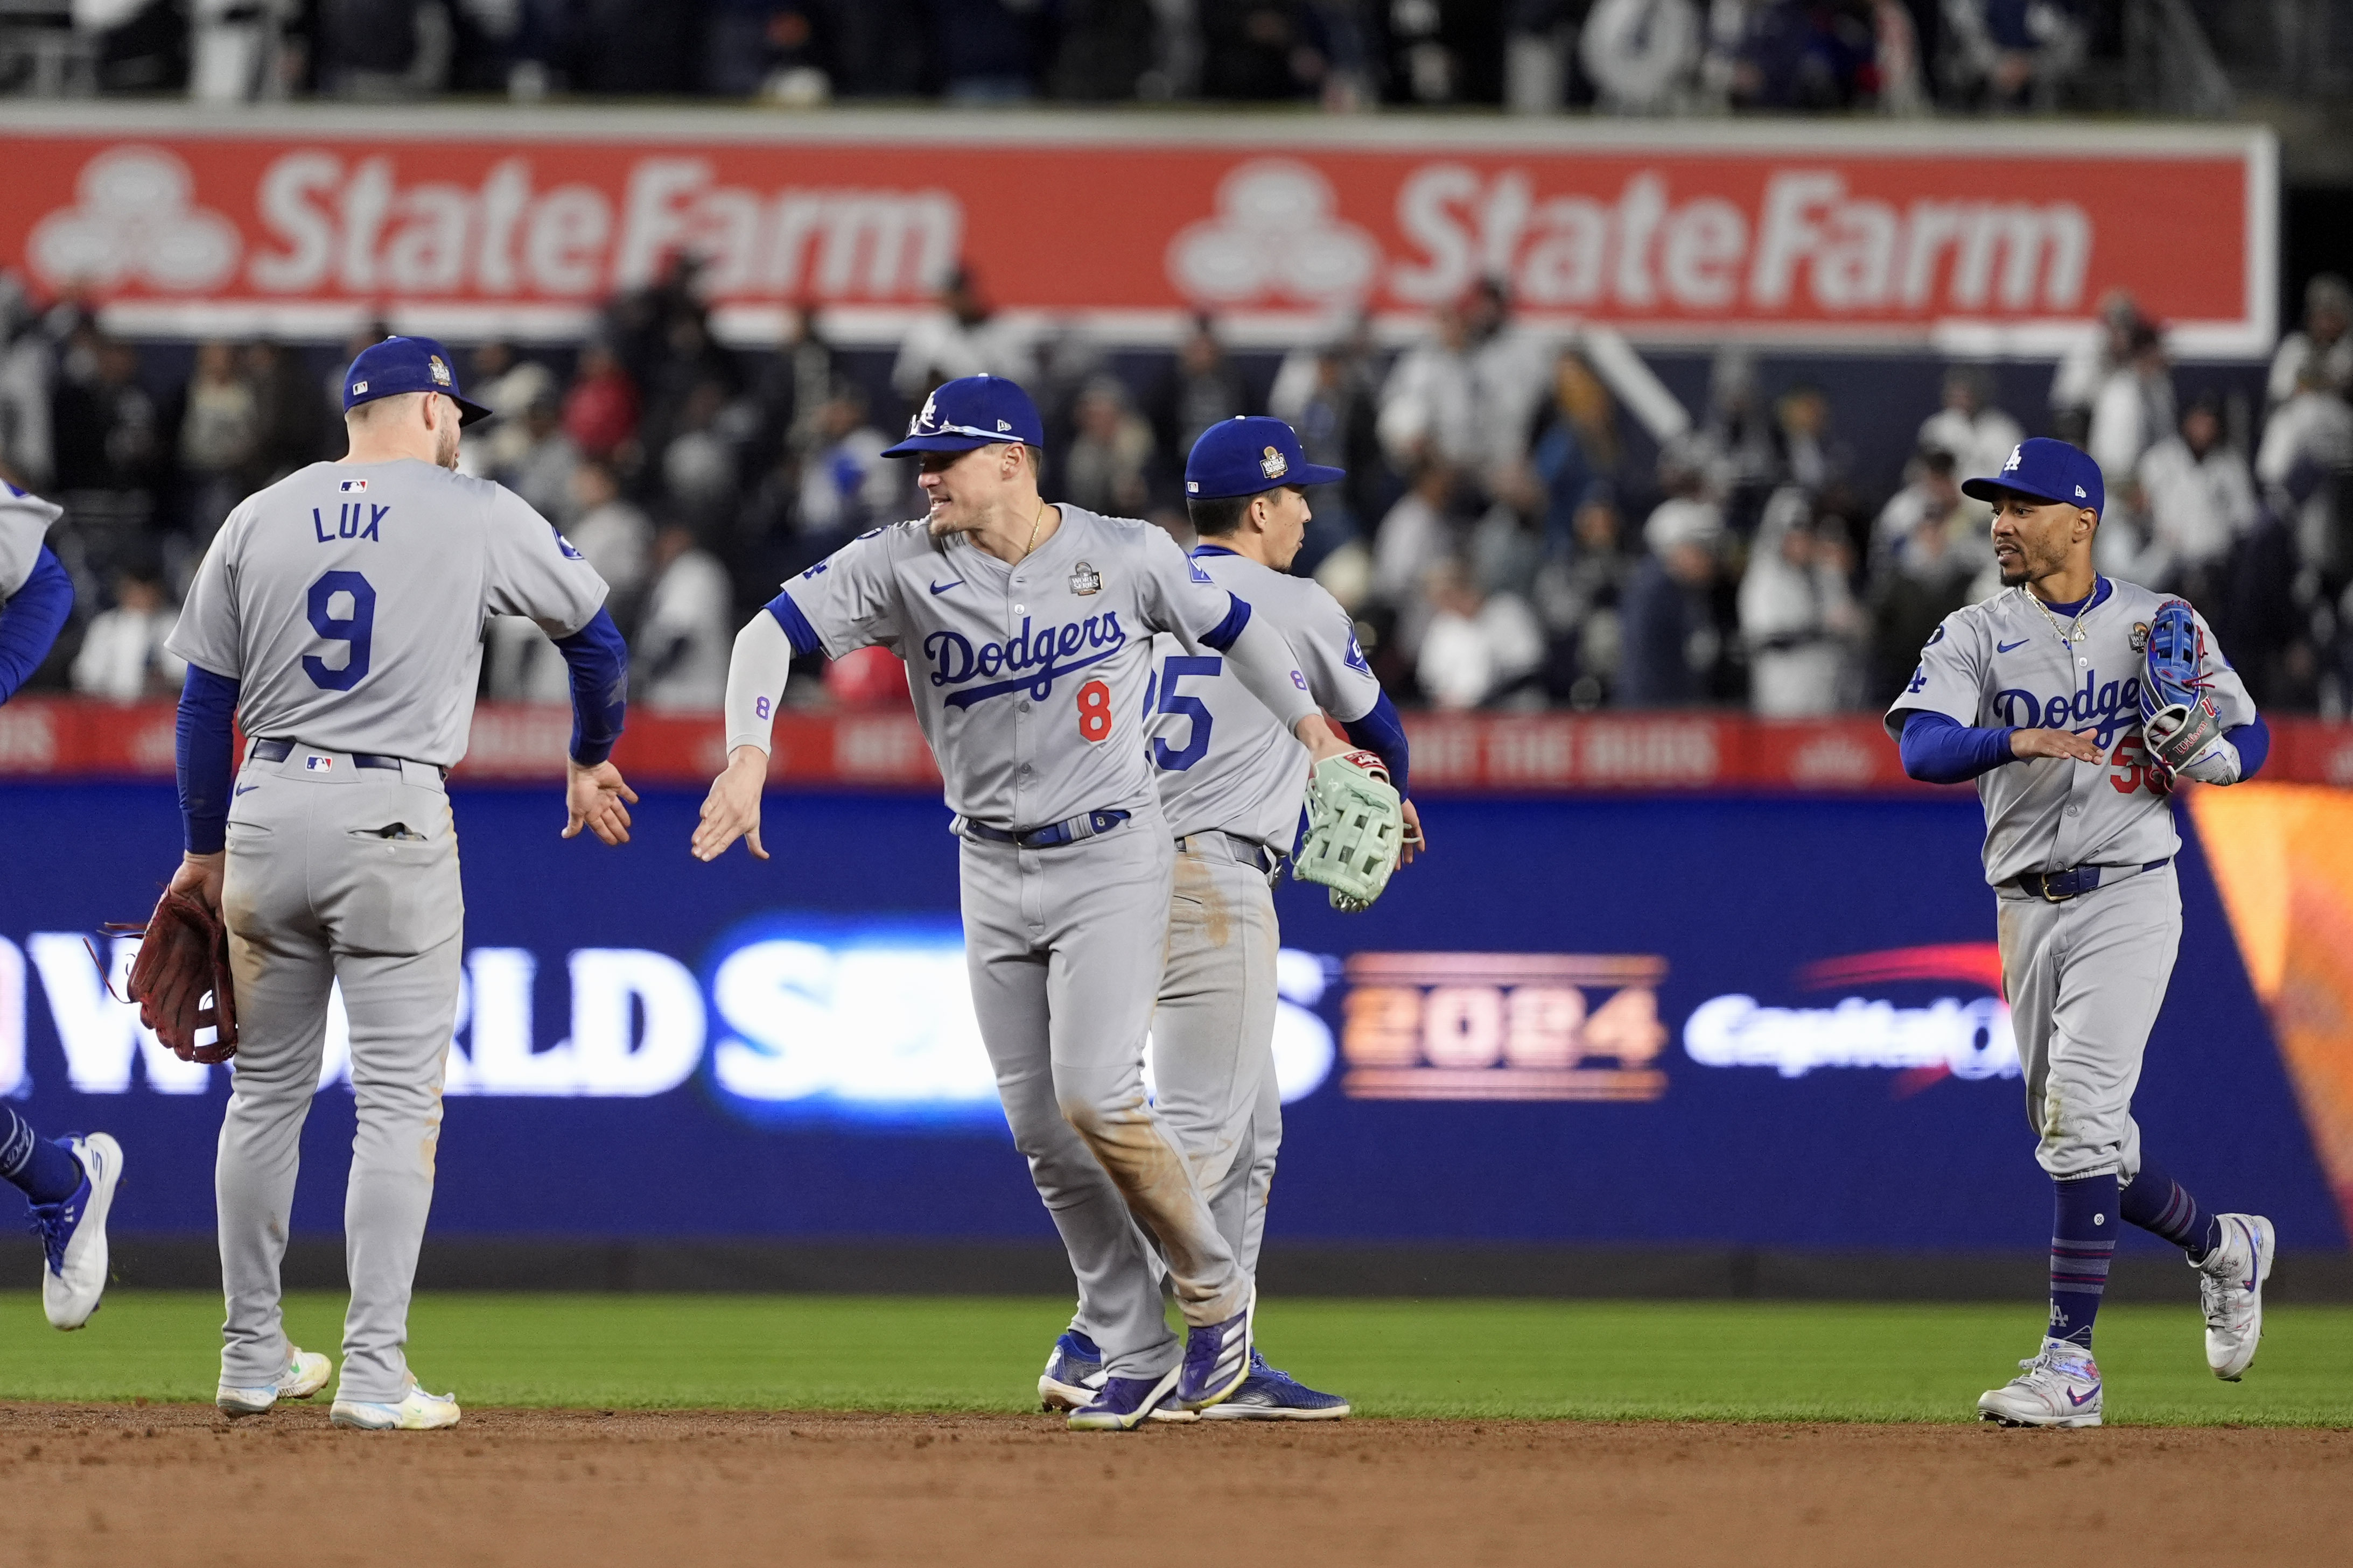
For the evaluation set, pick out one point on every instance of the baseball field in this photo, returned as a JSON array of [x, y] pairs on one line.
[[639, 1429]]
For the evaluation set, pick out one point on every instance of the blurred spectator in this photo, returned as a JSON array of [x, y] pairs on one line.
[[1805, 454], [2013, 54], [27, 374], [123, 658], [1671, 643], [1576, 455], [962, 337], [1977, 434], [614, 534], [2090, 361], [628, 46], [507, 387], [289, 431], [1103, 470], [1415, 536], [1578, 596], [1798, 620], [220, 428], [1469, 396], [1202, 388], [2134, 408], [1804, 55], [2200, 497], [1326, 395], [2307, 449], [375, 49], [536, 458], [1109, 50], [846, 484], [1734, 447], [1265, 50], [680, 657], [1931, 553], [108, 451], [600, 411], [1640, 55], [778, 49], [1479, 647], [2325, 337], [1931, 508], [987, 49], [1507, 546]]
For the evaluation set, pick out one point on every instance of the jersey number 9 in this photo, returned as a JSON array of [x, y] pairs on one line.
[[356, 630]]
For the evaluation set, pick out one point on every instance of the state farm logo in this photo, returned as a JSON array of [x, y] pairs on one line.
[[1502, 1026], [1276, 233], [133, 222]]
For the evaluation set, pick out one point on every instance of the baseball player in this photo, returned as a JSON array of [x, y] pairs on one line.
[[1027, 630], [1230, 783], [2073, 701], [69, 1180], [339, 614]]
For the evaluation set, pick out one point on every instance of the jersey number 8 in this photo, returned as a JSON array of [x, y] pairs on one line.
[[356, 630], [1095, 711]]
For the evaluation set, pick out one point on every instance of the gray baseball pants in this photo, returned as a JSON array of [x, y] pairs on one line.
[[1064, 947], [2086, 978], [336, 873]]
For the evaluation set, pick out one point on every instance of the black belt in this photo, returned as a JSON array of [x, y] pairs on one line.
[[2058, 887], [1246, 851], [1086, 825], [279, 751]]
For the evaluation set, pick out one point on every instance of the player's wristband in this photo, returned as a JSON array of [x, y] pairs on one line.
[[756, 673]]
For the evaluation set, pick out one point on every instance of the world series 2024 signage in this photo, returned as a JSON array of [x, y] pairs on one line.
[[478, 222]]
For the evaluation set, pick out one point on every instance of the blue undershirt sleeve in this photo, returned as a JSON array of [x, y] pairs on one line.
[[202, 751], [797, 629], [29, 624], [1939, 749], [1221, 637], [599, 662], [2254, 743], [1382, 732]]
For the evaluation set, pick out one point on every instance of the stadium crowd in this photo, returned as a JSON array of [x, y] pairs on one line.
[[1509, 535], [1536, 56]]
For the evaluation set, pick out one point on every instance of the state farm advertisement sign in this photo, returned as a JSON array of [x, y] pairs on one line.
[[514, 221]]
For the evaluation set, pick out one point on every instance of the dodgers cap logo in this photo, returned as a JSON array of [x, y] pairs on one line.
[[973, 411], [2047, 470], [1248, 455]]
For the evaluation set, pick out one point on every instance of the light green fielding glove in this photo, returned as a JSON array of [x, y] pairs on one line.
[[1355, 825]]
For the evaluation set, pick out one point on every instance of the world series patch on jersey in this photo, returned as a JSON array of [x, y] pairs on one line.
[[2008, 661]]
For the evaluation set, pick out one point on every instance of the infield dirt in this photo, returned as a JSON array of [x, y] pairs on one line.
[[169, 1485]]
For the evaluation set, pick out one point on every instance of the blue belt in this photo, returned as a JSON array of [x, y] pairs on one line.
[[279, 751], [1086, 825], [2058, 887]]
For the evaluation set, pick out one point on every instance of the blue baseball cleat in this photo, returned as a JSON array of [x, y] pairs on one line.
[[73, 1234], [1217, 1358], [1123, 1403], [1268, 1395], [1073, 1374]]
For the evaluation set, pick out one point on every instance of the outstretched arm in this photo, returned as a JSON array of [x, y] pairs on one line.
[[756, 672], [594, 790], [1262, 662], [31, 620]]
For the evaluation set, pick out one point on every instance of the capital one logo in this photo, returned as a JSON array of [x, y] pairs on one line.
[[134, 221]]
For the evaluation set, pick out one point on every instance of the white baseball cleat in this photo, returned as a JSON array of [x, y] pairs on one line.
[[73, 1234], [306, 1373], [2059, 1387], [416, 1411], [2231, 1288]]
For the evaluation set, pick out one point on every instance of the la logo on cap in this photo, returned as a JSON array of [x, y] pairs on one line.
[[2018, 456], [1273, 464], [928, 419]]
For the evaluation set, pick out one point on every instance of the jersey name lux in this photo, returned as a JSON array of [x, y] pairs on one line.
[[354, 519]]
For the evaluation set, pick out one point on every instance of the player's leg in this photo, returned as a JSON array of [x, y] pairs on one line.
[[1120, 1312], [2060, 1384], [394, 905], [283, 973], [70, 1183]]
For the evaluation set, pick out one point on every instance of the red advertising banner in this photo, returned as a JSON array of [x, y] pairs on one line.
[[1468, 753], [469, 221]]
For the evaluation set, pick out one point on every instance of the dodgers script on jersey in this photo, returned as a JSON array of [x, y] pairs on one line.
[[2003, 662], [348, 599], [1028, 679], [24, 523], [1224, 762]]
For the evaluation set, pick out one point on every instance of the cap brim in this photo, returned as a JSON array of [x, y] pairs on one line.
[[468, 413], [1993, 491], [915, 445]]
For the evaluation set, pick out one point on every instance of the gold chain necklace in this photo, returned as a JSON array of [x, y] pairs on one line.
[[1035, 523], [2074, 631]]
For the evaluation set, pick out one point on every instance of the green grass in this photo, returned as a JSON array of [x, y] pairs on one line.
[[1494, 1359]]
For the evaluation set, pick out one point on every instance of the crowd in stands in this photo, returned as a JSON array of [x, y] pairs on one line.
[[1508, 536], [1535, 55]]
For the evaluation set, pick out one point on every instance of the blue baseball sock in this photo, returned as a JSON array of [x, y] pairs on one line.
[[2082, 1241], [2156, 1202], [44, 1171]]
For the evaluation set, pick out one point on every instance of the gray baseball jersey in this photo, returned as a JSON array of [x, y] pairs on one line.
[[24, 523], [348, 600], [1223, 761], [2007, 661], [1028, 679]]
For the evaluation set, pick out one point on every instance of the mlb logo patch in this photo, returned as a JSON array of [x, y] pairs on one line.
[[1086, 581], [359, 389], [353, 487], [319, 764]]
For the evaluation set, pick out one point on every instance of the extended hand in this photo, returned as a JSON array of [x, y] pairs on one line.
[[1315, 734], [732, 809], [1415, 841], [2026, 743], [201, 875], [593, 797]]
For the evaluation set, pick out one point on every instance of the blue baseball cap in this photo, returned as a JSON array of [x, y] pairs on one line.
[[406, 364], [1249, 454], [2048, 470], [973, 411]]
